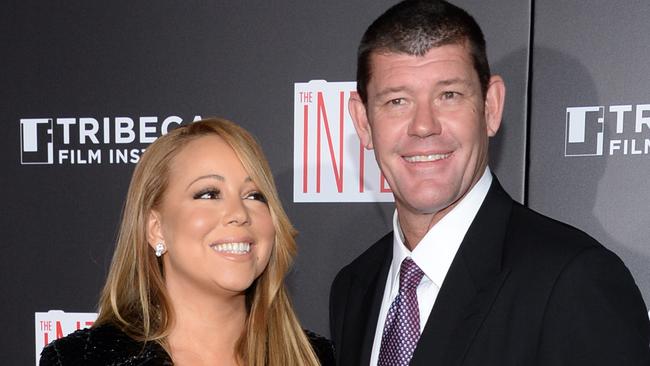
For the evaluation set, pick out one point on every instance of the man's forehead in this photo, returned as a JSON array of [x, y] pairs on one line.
[[445, 62], [461, 49], [404, 49]]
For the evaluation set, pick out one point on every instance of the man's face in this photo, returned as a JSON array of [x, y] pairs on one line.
[[429, 124]]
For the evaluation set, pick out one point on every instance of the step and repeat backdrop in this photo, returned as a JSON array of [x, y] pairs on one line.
[[589, 136], [88, 85]]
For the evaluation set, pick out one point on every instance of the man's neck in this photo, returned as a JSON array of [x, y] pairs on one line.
[[415, 225]]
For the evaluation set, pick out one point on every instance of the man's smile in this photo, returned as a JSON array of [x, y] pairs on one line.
[[426, 157]]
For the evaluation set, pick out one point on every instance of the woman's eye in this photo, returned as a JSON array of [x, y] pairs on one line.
[[209, 194], [256, 196]]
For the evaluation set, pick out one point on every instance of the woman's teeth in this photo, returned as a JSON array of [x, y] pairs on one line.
[[232, 248]]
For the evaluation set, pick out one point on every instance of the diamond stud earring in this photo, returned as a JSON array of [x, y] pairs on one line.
[[160, 249]]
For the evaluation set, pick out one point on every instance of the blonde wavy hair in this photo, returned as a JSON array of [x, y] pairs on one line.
[[134, 297]]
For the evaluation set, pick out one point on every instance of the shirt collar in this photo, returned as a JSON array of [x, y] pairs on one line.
[[438, 247]]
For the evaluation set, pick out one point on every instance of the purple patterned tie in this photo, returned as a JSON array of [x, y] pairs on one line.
[[402, 328]]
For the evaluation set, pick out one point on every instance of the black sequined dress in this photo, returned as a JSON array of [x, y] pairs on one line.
[[106, 345]]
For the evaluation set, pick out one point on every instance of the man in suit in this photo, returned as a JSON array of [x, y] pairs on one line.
[[468, 276]]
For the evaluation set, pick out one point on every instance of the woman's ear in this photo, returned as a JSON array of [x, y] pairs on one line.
[[154, 229]]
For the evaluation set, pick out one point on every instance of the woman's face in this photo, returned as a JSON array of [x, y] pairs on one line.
[[215, 223]]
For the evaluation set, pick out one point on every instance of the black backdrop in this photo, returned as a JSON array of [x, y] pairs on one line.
[[120, 60]]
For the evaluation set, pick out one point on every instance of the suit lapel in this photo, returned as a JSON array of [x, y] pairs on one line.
[[470, 287], [367, 290]]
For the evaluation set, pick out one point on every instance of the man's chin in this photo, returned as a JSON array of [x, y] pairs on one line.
[[425, 206]]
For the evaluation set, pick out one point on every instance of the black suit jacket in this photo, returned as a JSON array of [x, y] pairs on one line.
[[523, 289]]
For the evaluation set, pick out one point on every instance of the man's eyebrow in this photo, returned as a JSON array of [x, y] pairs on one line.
[[453, 81], [390, 90]]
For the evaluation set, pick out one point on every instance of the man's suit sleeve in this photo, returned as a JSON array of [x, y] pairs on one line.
[[595, 315]]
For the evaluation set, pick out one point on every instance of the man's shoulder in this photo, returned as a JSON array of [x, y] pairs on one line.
[[370, 261], [528, 226], [372, 257], [543, 239], [526, 222]]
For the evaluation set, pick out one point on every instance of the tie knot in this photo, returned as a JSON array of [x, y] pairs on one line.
[[409, 275]]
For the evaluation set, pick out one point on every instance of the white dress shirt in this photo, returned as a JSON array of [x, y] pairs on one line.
[[433, 255]]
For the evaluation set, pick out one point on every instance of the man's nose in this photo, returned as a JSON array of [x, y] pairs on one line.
[[425, 122]]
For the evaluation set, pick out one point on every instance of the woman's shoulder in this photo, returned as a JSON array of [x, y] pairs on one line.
[[102, 345], [323, 347]]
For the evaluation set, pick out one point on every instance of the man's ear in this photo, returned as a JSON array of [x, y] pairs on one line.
[[360, 119], [154, 229], [494, 100]]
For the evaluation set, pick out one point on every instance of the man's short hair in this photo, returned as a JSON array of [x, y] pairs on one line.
[[414, 27]]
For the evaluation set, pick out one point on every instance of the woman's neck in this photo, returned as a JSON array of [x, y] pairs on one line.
[[206, 327]]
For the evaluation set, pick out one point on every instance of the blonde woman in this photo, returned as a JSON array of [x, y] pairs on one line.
[[197, 277]]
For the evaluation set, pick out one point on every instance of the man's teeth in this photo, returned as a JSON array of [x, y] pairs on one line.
[[232, 248], [419, 158]]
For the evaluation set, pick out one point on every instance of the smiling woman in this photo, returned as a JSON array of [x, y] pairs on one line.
[[197, 275], [215, 223]]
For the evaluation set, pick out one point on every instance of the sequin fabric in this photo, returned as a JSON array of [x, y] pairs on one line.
[[323, 347], [106, 345], [402, 327]]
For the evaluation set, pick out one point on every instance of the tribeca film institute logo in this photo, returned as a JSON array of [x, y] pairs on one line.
[[329, 162], [85, 140], [607, 130]]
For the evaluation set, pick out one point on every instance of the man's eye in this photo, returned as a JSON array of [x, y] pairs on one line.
[[256, 196], [397, 101], [449, 95], [208, 194]]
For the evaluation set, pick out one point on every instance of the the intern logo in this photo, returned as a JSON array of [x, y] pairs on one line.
[[584, 131], [330, 164], [36, 141]]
